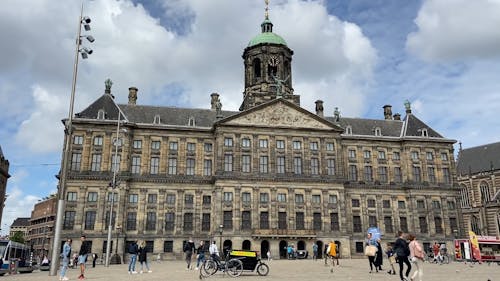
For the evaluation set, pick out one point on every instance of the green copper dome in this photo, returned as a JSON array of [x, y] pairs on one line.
[[267, 37]]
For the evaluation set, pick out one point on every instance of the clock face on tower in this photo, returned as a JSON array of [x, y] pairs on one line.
[[273, 61]]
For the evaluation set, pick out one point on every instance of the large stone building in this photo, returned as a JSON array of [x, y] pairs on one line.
[[4, 176], [20, 225], [41, 226], [478, 173], [264, 177]]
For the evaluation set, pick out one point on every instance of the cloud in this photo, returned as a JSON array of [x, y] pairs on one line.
[[456, 30]]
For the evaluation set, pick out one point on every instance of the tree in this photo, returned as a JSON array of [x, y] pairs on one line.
[[17, 237]]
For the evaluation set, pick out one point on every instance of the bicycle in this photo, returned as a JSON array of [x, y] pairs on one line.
[[233, 267]]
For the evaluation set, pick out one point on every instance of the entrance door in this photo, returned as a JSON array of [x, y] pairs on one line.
[[228, 245], [247, 245], [320, 249], [283, 245], [264, 247]]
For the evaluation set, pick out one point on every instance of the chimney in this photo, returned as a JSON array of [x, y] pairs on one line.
[[397, 116], [387, 112], [213, 101], [132, 95], [319, 108]]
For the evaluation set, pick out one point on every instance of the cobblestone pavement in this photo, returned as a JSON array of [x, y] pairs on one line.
[[290, 270]]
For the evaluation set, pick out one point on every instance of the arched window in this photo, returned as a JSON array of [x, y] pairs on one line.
[[101, 114], [378, 132], [474, 225], [191, 122], [485, 192], [348, 130], [257, 73], [425, 133], [464, 197], [157, 119]]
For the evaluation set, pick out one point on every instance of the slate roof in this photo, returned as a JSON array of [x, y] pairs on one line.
[[367, 127], [1, 153], [479, 159], [20, 222]]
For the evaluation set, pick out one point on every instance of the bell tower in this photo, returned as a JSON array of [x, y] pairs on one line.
[[268, 68]]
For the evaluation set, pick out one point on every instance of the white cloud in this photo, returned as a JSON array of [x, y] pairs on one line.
[[456, 30]]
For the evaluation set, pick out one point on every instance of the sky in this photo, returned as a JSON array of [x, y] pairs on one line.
[[357, 55]]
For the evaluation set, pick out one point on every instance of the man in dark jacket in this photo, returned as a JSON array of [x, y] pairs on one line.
[[133, 249], [189, 248], [82, 256], [402, 252]]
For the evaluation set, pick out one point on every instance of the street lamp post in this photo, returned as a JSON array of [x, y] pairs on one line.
[[221, 227], [67, 146]]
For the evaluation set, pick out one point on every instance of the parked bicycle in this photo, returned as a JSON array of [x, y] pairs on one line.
[[232, 266]]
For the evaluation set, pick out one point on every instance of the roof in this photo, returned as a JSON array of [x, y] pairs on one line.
[[20, 222], [367, 127], [479, 159], [267, 37], [1, 153]]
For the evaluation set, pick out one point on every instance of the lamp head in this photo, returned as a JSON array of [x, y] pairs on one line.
[[87, 27], [86, 20], [90, 38]]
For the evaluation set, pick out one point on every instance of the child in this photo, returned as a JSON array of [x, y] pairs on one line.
[[392, 260]]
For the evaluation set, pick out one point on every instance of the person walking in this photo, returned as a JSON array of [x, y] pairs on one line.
[[402, 252], [371, 243], [379, 258], [435, 251], [268, 255], [94, 259], [65, 255], [82, 256], [143, 257], [200, 254], [417, 257], [189, 248], [133, 249], [214, 251], [390, 256], [315, 251], [333, 253]]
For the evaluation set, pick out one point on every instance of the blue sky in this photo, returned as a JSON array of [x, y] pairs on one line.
[[358, 55]]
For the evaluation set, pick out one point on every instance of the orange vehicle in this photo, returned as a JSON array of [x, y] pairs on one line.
[[478, 248]]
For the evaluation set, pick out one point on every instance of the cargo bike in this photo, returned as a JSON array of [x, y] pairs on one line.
[[234, 264]]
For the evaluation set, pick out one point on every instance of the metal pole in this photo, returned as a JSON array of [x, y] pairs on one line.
[[113, 186], [67, 154]]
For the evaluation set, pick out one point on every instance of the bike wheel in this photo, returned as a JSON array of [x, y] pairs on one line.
[[262, 269], [208, 268], [234, 267]]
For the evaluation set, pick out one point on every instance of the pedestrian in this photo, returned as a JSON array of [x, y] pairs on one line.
[[268, 255], [189, 248], [402, 252], [158, 258], [133, 249], [333, 253], [325, 253], [214, 251], [94, 259], [379, 258], [65, 255], [200, 254], [435, 251], [390, 256], [371, 251], [143, 257], [315, 251], [417, 257], [82, 256]]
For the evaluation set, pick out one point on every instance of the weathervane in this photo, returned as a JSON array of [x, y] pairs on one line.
[[267, 9]]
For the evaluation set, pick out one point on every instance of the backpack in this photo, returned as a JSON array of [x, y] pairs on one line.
[[187, 247]]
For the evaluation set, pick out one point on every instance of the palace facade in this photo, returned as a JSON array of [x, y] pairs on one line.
[[266, 176], [4, 176]]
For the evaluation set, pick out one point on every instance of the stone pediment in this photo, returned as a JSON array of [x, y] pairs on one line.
[[279, 114]]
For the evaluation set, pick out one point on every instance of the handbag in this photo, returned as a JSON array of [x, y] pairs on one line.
[[370, 251]]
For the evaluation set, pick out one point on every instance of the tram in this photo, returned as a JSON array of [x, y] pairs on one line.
[[16, 257]]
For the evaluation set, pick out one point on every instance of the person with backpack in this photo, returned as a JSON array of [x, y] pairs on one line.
[[189, 248], [402, 251], [133, 250], [417, 257]]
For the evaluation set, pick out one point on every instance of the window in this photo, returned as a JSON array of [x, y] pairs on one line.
[[169, 221], [156, 119], [316, 199], [317, 222], [155, 145], [113, 219], [188, 222], [207, 199], [228, 197], [381, 155], [76, 160], [299, 220], [264, 220], [173, 145], [334, 222], [299, 198], [378, 132], [155, 165], [474, 224], [152, 198], [245, 142], [168, 246], [92, 197], [353, 173], [170, 200], [403, 224], [115, 162], [282, 220], [90, 220], [314, 166], [112, 196], [332, 199], [314, 145], [246, 220], [133, 198], [429, 156], [431, 174], [228, 220], [136, 165], [351, 153], [330, 167], [420, 204], [245, 163], [356, 224], [137, 144], [190, 166], [359, 247], [264, 197], [436, 205], [263, 164], [263, 143], [422, 221], [205, 222], [367, 154], [228, 163], [382, 174], [118, 142], [228, 142], [78, 140], [464, 197], [368, 173], [188, 199], [280, 164], [71, 196], [371, 203], [208, 147], [246, 197], [131, 221], [191, 121], [96, 162], [453, 225], [355, 203], [172, 166], [207, 167], [401, 204], [398, 177], [485, 192], [98, 141], [388, 225], [69, 220], [444, 156], [330, 146], [438, 222], [348, 130], [191, 147], [446, 175], [372, 221], [280, 144], [281, 197], [297, 165], [386, 204], [417, 177], [297, 145], [414, 155], [396, 155]]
